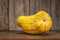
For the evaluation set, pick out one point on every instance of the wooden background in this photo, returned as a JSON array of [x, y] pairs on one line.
[[10, 10]]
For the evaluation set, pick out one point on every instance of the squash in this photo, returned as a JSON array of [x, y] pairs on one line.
[[38, 23]]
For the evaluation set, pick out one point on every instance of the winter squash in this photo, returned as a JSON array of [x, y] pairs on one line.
[[38, 23]]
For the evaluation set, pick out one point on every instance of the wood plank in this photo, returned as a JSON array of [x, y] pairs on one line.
[[17, 35], [11, 14], [26, 7], [57, 14], [19, 11], [1, 27], [46, 4], [6, 11], [40, 5], [32, 7], [53, 14], [37, 6], [4, 15], [16, 9]]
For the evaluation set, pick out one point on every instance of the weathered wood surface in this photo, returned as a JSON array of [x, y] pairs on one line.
[[26, 7], [19, 35], [57, 14], [29, 7], [16, 8], [4, 15], [53, 14], [10, 10]]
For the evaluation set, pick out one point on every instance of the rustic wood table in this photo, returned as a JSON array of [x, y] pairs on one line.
[[19, 35]]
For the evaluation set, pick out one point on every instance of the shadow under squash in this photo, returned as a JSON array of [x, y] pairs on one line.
[[42, 34]]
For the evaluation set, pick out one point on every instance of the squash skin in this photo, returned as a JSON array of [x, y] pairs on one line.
[[38, 23]]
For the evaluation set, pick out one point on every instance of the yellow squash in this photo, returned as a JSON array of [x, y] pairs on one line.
[[35, 24]]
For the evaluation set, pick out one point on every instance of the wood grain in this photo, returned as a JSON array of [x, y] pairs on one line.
[[40, 5], [46, 5], [19, 35], [37, 7], [4, 15], [32, 7], [12, 14], [53, 14], [10, 10], [1, 27], [57, 15], [19, 11], [16, 9], [26, 7]]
